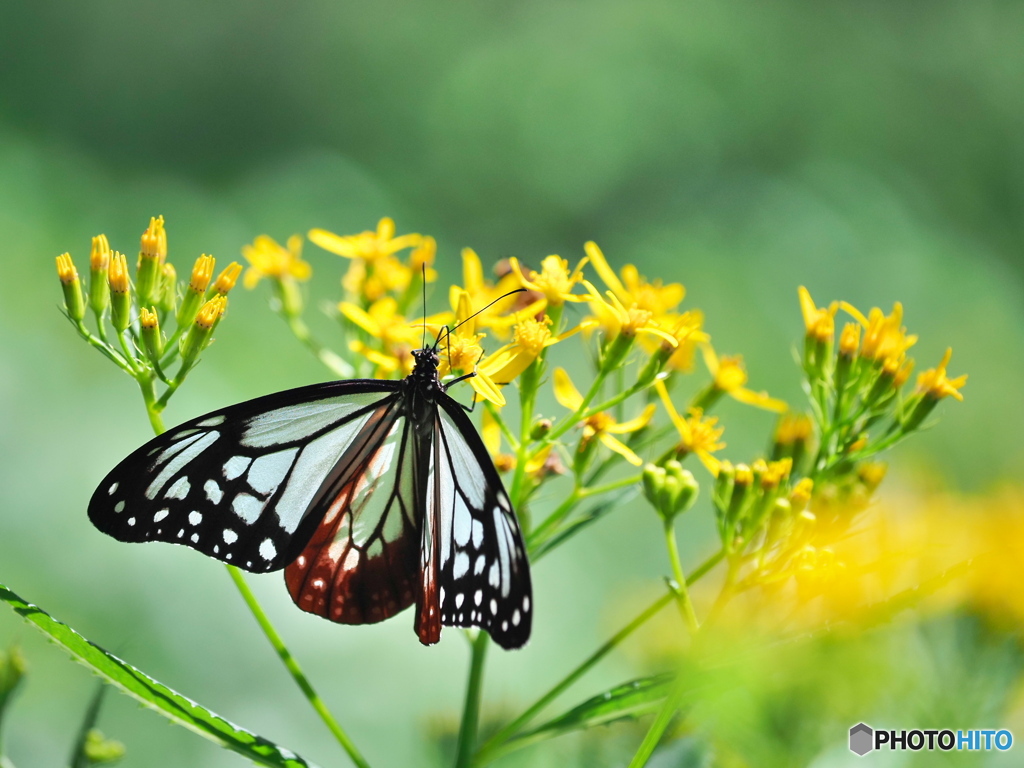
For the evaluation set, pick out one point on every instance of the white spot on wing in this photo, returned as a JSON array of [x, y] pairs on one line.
[[267, 550], [503, 553], [119, 507], [478, 533], [478, 596], [179, 488], [351, 559], [195, 538], [247, 507], [461, 566], [235, 466], [267, 471], [494, 605], [197, 445], [112, 488], [463, 523], [213, 491], [516, 617], [213, 421], [458, 600], [481, 561], [195, 518], [230, 537], [131, 521], [161, 515]]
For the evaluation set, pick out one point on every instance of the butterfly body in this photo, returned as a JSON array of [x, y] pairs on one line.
[[373, 495]]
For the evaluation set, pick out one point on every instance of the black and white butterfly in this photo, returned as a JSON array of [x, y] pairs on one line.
[[372, 494]]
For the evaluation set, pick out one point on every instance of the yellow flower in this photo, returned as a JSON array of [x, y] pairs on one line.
[[269, 259], [697, 434], [849, 340], [935, 383], [884, 336], [730, 376], [633, 289], [460, 351], [616, 319], [483, 293], [529, 338], [383, 322], [686, 330], [601, 425], [554, 280], [819, 322], [369, 245]]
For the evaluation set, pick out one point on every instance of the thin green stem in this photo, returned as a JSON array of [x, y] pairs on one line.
[[550, 522], [129, 356], [103, 347], [293, 668], [334, 362], [597, 490], [681, 591], [471, 710], [660, 724]]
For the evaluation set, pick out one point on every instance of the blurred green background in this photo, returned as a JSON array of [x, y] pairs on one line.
[[870, 151]]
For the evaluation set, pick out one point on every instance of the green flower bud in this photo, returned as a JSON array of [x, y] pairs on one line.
[[99, 263]]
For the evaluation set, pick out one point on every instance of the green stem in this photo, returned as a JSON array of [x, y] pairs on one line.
[[334, 362], [103, 347], [661, 722], [597, 490], [92, 712], [293, 668], [471, 710], [681, 591], [538, 534]]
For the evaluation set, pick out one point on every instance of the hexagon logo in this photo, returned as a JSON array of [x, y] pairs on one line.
[[861, 739]]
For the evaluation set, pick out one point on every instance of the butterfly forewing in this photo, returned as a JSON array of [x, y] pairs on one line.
[[237, 484]]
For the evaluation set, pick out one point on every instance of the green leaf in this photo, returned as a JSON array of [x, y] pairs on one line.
[[629, 700], [154, 695]]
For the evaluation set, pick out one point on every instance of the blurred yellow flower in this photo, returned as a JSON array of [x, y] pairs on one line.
[[686, 330], [884, 335], [730, 376], [601, 425], [369, 245], [935, 383], [268, 258], [819, 322]]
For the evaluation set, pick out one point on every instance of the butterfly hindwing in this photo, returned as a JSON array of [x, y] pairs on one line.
[[361, 564], [483, 575], [237, 484]]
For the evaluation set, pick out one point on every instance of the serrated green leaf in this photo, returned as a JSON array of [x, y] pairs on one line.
[[155, 695]]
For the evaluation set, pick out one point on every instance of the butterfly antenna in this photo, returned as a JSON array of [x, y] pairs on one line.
[[484, 309], [423, 282]]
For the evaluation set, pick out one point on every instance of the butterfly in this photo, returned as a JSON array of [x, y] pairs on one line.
[[371, 494]]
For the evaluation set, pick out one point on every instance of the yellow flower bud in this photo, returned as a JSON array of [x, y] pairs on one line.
[[149, 326], [74, 302], [99, 263], [226, 280]]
